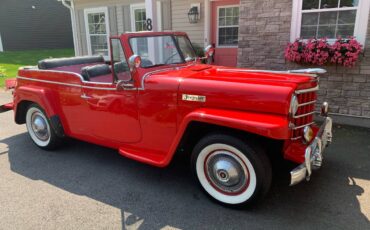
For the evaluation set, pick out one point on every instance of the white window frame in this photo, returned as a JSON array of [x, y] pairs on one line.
[[133, 7], [360, 23], [218, 26], [91, 11]]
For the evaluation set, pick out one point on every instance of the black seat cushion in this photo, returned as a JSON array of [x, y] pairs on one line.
[[120, 67], [58, 62], [89, 72]]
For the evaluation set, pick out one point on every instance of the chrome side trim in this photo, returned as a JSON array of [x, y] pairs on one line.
[[67, 84], [53, 71], [50, 82], [303, 115], [307, 103], [98, 88], [307, 90], [301, 126], [66, 72]]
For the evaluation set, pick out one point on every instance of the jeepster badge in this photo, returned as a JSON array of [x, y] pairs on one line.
[[188, 97]]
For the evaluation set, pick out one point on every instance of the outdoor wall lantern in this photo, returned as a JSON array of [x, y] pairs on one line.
[[194, 13]]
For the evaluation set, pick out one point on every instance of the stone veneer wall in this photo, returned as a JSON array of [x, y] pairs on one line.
[[264, 32]]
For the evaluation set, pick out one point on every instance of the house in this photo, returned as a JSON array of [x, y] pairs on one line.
[[34, 24], [245, 33]]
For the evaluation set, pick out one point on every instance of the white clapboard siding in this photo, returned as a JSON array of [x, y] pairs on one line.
[[180, 21]]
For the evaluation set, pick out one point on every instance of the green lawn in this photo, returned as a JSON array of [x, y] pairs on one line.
[[10, 61]]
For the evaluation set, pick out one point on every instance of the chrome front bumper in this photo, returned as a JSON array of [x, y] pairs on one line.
[[313, 154]]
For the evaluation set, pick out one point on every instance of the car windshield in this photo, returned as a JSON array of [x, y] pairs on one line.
[[162, 50]]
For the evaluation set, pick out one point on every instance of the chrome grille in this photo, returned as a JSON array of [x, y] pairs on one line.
[[306, 109]]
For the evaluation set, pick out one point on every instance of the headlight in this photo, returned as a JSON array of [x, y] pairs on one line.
[[307, 134], [293, 105]]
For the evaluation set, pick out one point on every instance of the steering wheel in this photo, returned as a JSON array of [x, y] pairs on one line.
[[166, 62]]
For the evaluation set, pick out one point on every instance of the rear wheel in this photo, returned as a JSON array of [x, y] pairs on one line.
[[231, 171], [39, 128]]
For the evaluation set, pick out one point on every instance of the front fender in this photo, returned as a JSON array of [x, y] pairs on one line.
[[267, 125]]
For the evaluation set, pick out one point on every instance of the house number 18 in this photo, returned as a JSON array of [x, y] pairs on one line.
[[149, 25]]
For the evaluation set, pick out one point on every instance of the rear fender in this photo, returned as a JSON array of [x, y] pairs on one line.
[[45, 98]]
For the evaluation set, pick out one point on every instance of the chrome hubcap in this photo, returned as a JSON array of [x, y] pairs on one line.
[[39, 126], [226, 172]]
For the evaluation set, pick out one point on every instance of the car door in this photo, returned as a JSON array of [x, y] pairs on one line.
[[112, 114]]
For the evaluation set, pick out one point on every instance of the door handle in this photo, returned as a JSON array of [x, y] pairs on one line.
[[84, 96]]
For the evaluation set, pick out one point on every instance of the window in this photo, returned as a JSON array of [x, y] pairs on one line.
[[121, 69], [97, 31], [138, 17], [228, 26], [330, 19]]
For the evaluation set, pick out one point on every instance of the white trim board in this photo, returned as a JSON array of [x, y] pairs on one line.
[[207, 23]]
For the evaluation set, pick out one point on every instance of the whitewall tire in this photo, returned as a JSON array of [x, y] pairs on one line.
[[39, 128], [230, 171]]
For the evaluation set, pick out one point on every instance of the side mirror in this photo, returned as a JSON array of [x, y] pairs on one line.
[[209, 51], [134, 62]]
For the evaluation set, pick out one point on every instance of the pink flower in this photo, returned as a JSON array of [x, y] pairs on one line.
[[316, 51], [293, 51], [319, 52], [346, 51]]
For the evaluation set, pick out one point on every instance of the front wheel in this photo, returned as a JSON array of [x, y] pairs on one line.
[[231, 171], [39, 128]]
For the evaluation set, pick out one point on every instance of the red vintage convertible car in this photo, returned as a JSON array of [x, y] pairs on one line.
[[154, 99]]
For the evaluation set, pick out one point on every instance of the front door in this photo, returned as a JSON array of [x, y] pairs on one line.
[[224, 31], [112, 114]]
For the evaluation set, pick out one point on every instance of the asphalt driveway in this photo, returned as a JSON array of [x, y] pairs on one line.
[[84, 186]]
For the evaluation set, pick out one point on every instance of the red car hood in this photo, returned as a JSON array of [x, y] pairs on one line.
[[219, 73], [238, 89]]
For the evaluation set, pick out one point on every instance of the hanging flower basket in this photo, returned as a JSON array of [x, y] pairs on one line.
[[319, 52]]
